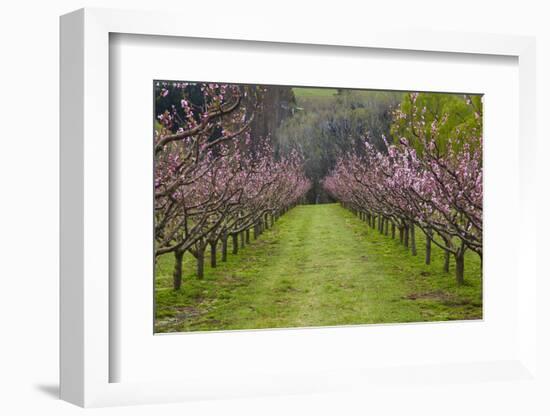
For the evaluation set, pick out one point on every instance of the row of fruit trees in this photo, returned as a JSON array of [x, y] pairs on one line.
[[430, 177], [213, 182]]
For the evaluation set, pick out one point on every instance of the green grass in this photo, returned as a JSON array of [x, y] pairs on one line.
[[319, 265]]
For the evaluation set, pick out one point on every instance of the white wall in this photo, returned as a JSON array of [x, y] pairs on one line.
[[29, 177]]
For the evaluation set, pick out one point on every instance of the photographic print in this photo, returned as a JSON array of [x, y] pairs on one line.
[[294, 206]]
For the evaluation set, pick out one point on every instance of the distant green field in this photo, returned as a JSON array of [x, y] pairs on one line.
[[313, 92]]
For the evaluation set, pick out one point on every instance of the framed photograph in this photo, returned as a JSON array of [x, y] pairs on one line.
[[231, 160], [287, 213]]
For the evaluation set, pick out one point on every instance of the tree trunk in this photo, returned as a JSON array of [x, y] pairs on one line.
[[213, 246], [224, 246], [235, 241], [247, 236], [200, 263], [392, 230], [401, 233], [446, 262], [242, 239], [459, 271], [413, 240], [406, 235], [386, 228], [429, 247], [178, 269]]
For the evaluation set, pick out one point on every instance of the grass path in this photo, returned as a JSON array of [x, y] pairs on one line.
[[318, 266]]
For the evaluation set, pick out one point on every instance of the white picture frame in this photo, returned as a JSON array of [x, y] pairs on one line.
[[85, 265]]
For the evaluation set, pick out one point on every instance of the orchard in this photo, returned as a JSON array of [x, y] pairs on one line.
[[267, 200]]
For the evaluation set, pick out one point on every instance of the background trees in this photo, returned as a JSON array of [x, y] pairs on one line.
[[330, 122]]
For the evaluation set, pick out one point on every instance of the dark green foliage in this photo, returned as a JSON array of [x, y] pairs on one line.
[[330, 122]]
